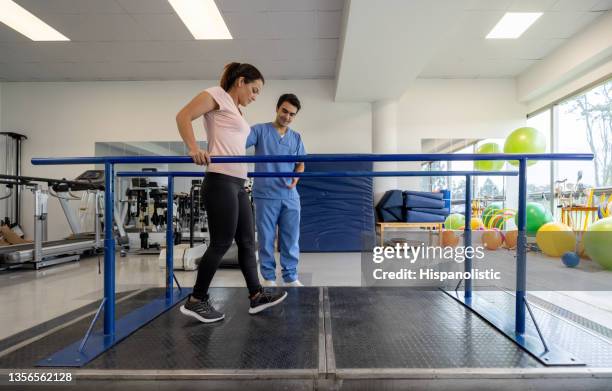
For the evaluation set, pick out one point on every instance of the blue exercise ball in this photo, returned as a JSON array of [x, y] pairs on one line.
[[570, 259]]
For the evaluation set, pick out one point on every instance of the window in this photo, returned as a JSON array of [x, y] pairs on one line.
[[539, 175], [585, 125]]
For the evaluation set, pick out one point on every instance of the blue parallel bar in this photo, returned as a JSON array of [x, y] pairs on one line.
[[521, 250], [334, 174], [109, 335], [316, 158], [170, 239], [109, 251], [515, 328], [467, 234], [100, 342]]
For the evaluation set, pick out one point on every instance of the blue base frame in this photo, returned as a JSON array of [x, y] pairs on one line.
[[99, 343], [529, 341]]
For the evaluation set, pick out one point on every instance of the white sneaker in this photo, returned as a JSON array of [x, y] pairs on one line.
[[268, 283], [295, 283]]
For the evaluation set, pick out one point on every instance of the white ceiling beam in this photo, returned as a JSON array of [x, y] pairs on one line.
[[589, 49], [385, 45]]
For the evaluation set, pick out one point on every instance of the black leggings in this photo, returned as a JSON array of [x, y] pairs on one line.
[[229, 217]]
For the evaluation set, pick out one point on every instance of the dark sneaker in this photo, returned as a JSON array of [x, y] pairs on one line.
[[267, 298], [201, 310]]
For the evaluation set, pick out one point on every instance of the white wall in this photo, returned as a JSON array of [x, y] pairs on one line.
[[66, 119], [455, 108]]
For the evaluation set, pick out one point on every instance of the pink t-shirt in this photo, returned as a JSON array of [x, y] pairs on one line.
[[226, 131]]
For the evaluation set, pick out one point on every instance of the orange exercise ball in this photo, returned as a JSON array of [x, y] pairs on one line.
[[449, 238], [492, 239], [511, 239]]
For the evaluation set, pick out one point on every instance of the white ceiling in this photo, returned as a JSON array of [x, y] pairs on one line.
[[467, 54], [146, 40], [387, 43], [413, 39]]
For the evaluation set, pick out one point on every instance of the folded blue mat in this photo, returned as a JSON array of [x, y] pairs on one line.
[[442, 212], [420, 217], [392, 198], [426, 194], [391, 214], [415, 201], [385, 216]]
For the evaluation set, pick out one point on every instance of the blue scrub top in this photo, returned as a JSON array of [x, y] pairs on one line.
[[267, 141]]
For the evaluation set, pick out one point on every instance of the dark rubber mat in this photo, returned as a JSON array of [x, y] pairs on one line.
[[282, 337], [50, 324], [28, 355], [588, 324], [404, 328], [594, 350]]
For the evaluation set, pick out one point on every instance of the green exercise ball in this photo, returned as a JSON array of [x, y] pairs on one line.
[[537, 216], [525, 140], [455, 221], [489, 212], [598, 242], [488, 165]]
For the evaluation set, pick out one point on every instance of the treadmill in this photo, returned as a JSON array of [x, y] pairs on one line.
[[44, 253]]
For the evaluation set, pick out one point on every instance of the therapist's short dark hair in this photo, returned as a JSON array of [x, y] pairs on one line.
[[291, 98]]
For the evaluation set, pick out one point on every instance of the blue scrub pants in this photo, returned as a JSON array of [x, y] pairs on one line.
[[284, 213]]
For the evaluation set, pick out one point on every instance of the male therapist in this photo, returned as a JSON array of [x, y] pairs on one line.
[[277, 202]]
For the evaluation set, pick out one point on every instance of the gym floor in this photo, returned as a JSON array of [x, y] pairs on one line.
[[31, 297]]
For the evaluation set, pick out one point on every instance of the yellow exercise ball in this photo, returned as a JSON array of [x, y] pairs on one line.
[[477, 224], [555, 239]]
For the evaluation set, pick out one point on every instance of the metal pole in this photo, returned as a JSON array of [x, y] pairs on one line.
[[467, 234], [170, 239], [191, 219], [97, 218], [17, 188], [38, 223], [109, 250], [521, 250]]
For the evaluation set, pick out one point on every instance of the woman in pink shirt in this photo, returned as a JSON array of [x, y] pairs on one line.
[[227, 204]]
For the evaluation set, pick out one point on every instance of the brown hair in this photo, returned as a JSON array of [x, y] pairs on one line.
[[235, 70]]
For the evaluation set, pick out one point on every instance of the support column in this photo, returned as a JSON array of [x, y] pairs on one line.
[[384, 140]]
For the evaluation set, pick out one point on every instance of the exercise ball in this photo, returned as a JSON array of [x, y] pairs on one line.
[[500, 219], [488, 165], [455, 221], [492, 239], [477, 224], [511, 239], [555, 239], [570, 259], [449, 239], [598, 242], [489, 212], [525, 140], [537, 216]]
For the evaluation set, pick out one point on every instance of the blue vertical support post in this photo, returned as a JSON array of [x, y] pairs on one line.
[[521, 250], [170, 239], [467, 235], [446, 196], [109, 250]]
